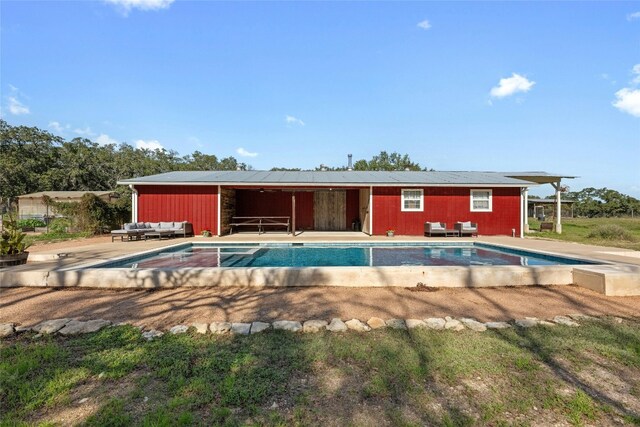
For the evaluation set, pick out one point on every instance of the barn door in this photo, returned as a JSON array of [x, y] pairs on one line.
[[330, 210]]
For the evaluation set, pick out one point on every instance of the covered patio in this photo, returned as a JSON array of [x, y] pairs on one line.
[[541, 178], [293, 210]]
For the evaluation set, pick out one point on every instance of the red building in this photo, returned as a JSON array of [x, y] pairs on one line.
[[334, 201]]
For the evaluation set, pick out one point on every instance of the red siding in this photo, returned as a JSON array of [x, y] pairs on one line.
[[276, 203], [197, 204], [353, 206], [446, 204]]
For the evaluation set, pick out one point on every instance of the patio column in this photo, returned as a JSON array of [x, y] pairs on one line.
[[526, 209], [219, 225], [556, 186], [371, 210], [293, 213], [134, 203]]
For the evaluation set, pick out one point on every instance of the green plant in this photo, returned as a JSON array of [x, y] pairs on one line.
[[206, 233], [31, 223], [59, 225], [610, 232], [12, 238]]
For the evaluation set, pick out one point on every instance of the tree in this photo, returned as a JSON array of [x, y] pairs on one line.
[[594, 202], [381, 162], [34, 160], [26, 156]]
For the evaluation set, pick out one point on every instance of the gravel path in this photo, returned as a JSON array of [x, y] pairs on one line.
[[165, 308]]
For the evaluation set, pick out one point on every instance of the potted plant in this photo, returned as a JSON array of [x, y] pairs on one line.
[[206, 233], [13, 248], [391, 232]]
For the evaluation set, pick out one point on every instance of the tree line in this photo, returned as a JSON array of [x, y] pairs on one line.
[[32, 160], [603, 202]]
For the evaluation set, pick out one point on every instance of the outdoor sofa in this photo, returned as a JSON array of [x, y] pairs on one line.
[[467, 227], [435, 228], [138, 230]]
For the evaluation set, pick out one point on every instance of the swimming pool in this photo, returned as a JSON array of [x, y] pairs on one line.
[[202, 255]]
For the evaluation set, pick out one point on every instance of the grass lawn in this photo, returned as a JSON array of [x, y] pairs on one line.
[[579, 230], [541, 376]]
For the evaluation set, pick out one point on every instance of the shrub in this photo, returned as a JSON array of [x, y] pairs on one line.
[[31, 223], [12, 238], [59, 225], [611, 232], [91, 214]]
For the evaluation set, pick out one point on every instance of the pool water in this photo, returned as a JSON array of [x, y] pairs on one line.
[[335, 255]]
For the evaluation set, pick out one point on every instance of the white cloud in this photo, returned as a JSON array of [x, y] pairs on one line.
[[104, 139], [628, 101], [293, 121], [125, 6], [632, 16], [56, 126], [152, 144], [244, 153], [16, 107], [628, 98], [425, 25], [636, 71], [84, 132], [511, 85]]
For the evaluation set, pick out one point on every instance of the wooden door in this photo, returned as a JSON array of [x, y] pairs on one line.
[[364, 210], [330, 210]]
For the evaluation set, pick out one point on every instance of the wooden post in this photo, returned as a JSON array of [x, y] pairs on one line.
[[293, 213], [526, 209]]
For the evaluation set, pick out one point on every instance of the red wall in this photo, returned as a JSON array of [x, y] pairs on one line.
[[276, 203], [353, 206], [197, 204], [445, 204]]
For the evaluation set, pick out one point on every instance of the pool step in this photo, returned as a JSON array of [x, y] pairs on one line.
[[610, 280]]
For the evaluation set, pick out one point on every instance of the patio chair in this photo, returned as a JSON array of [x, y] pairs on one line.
[[435, 228], [467, 227]]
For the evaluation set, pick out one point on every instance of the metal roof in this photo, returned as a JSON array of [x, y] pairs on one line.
[[324, 178], [63, 194], [538, 177]]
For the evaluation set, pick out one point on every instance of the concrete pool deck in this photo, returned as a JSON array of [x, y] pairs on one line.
[[53, 266]]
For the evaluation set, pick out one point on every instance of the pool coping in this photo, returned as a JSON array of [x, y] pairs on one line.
[[609, 278]]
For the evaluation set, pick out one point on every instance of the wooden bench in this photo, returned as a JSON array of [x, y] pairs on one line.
[[546, 226], [260, 222]]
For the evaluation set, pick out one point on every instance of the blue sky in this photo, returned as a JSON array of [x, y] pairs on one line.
[[457, 86]]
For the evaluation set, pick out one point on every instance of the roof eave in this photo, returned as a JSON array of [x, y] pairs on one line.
[[334, 184]]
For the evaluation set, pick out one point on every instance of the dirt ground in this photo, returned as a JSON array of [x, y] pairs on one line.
[[165, 308], [38, 247]]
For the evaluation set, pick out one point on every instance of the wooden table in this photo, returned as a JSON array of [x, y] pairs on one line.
[[260, 222], [451, 232]]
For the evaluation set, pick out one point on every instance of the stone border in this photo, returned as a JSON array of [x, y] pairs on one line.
[[68, 326]]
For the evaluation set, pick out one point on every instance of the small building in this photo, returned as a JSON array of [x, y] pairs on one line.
[[32, 205], [337, 200]]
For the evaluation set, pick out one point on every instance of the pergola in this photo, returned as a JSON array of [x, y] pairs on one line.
[[541, 178]]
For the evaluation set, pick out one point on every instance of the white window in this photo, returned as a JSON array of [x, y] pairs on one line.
[[481, 200], [412, 201]]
